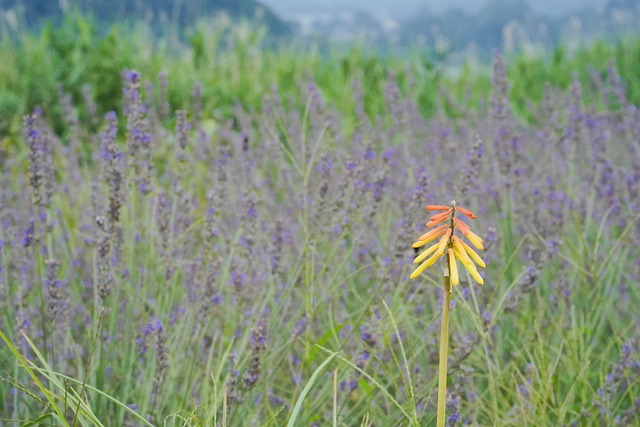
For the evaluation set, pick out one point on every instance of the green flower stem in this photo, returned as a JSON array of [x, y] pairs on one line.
[[444, 347]]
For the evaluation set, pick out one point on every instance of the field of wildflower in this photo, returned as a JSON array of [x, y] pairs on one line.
[[224, 237]]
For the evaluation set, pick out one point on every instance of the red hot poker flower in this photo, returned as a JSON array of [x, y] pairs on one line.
[[451, 245]]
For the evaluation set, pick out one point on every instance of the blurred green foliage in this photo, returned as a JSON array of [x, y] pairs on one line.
[[159, 13], [528, 75], [232, 62]]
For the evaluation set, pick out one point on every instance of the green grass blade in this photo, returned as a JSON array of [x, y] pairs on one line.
[[298, 406], [53, 405]]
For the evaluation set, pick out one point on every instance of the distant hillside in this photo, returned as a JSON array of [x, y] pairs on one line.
[[508, 25], [155, 12], [514, 25]]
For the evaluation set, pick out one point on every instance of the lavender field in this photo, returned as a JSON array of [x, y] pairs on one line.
[[249, 264]]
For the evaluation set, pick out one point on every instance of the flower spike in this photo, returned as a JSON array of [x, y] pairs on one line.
[[450, 244], [455, 249]]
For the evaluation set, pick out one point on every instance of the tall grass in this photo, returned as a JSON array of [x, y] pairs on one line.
[[245, 261]]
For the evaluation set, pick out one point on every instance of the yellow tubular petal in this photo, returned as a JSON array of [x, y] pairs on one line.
[[443, 242], [454, 268], [425, 254], [462, 256], [474, 273], [419, 270], [471, 268], [474, 240], [424, 265], [419, 244], [459, 251], [432, 260], [475, 236], [473, 254], [428, 237]]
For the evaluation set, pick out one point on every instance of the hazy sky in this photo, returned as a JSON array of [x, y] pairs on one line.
[[404, 8]]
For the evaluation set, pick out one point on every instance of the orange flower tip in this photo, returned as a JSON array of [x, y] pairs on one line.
[[462, 225], [444, 214], [466, 212], [437, 208], [430, 235], [464, 231], [438, 221], [459, 221]]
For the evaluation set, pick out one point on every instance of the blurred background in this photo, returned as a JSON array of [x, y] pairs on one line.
[[225, 44], [450, 28]]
